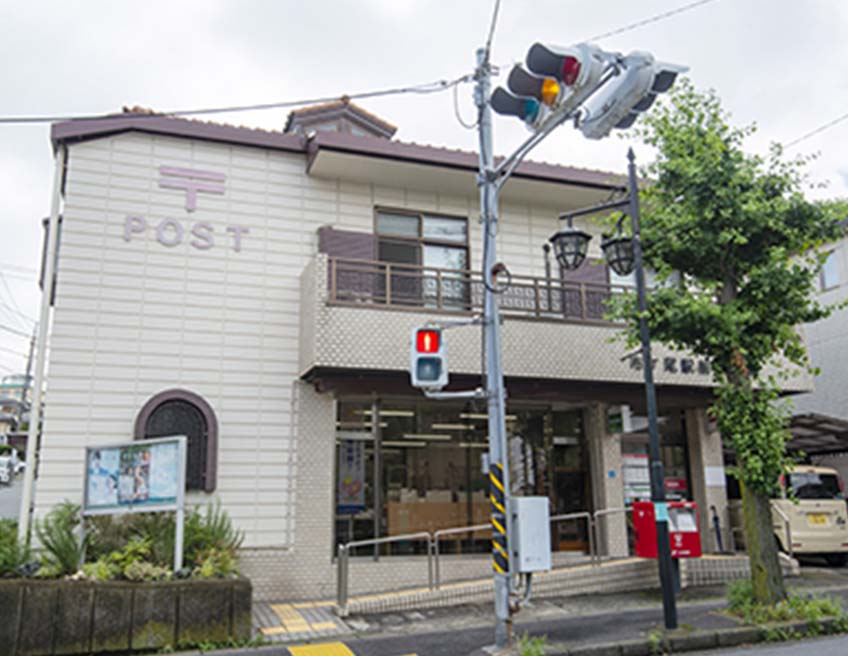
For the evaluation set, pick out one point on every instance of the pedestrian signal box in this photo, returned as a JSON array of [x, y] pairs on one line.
[[683, 529], [428, 362]]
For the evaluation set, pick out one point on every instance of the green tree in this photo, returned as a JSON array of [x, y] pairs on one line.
[[739, 230]]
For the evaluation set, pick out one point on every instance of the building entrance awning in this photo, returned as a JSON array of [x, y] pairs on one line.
[[816, 434]]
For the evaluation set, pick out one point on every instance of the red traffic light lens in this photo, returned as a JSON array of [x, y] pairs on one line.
[[427, 341], [570, 70]]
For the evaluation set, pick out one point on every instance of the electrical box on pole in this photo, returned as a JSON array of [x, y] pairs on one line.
[[531, 539]]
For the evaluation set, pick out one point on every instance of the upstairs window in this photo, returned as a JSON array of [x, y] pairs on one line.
[[829, 274], [429, 241]]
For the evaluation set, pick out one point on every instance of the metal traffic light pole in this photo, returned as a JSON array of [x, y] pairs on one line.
[[495, 392], [490, 180]]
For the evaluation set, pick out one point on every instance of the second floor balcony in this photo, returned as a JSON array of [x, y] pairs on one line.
[[358, 315], [406, 287]]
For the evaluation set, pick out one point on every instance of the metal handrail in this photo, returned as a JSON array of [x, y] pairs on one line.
[[451, 531], [787, 528], [343, 563], [434, 552], [604, 512]]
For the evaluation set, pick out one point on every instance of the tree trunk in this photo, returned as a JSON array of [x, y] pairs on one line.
[[766, 575]]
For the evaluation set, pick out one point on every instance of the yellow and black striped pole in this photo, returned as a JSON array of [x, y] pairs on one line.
[[497, 497]]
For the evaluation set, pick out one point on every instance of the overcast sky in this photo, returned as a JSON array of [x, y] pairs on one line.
[[779, 63]]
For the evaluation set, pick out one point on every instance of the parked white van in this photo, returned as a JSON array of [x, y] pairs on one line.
[[815, 523]]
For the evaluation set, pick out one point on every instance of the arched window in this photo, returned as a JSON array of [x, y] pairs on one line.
[[180, 412]]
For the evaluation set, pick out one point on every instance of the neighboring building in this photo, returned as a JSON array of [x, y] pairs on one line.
[[14, 402], [256, 291], [820, 424]]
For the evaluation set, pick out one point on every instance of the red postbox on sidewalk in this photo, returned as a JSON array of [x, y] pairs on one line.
[[683, 528]]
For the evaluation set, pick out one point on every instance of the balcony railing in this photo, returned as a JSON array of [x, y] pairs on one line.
[[413, 287]]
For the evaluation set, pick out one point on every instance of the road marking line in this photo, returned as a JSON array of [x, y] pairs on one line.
[[325, 649]]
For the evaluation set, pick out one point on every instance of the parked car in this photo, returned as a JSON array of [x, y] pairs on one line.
[[816, 520], [7, 470]]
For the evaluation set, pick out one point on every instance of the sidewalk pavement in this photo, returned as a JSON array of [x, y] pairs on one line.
[[625, 624]]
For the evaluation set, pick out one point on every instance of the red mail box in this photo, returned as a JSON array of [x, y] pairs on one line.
[[683, 529]]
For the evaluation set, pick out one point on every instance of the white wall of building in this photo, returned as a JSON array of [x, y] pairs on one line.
[[827, 341], [133, 318]]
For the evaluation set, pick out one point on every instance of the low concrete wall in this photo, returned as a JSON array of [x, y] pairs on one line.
[[40, 618]]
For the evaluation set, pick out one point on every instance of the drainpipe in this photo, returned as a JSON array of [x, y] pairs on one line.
[[41, 346]]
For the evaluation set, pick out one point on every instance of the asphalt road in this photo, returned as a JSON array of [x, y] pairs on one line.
[[837, 646], [10, 498]]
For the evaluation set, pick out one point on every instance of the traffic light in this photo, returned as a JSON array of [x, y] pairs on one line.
[[428, 367], [551, 81], [532, 96], [620, 101], [578, 67]]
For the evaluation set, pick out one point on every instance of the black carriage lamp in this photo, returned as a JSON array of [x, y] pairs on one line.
[[570, 244], [618, 251]]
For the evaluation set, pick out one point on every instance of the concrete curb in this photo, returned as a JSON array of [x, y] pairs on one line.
[[675, 644]]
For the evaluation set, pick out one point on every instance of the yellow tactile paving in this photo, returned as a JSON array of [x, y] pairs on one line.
[[325, 649], [273, 630], [294, 623]]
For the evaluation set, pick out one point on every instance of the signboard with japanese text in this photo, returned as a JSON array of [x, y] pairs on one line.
[[141, 476], [351, 477]]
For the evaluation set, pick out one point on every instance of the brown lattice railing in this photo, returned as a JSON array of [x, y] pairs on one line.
[[408, 286]]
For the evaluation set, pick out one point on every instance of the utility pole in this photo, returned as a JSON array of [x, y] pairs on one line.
[[29, 363], [495, 392]]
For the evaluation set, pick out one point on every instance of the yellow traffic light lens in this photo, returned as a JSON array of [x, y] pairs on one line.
[[550, 91]]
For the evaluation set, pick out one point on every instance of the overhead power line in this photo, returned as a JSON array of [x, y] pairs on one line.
[[427, 87], [13, 351], [23, 315], [492, 28], [819, 129], [652, 19], [13, 331]]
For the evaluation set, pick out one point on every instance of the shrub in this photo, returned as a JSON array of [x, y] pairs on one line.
[[212, 530], [57, 533], [741, 602], [12, 554], [142, 571], [215, 564], [528, 646], [100, 570]]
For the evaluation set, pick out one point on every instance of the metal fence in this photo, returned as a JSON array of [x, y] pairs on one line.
[[410, 286], [596, 524]]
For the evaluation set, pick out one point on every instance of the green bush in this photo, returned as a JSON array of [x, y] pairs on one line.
[[215, 564], [63, 549], [741, 602], [211, 530], [136, 547], [100, 570], [4, 449], [143, 571], [528, 646], [12, 554]]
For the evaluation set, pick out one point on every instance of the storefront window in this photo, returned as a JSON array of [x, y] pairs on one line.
[[429, 471], [635, 459]]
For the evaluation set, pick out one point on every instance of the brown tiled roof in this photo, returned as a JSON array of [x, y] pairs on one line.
[[82, 130], [344, 101]]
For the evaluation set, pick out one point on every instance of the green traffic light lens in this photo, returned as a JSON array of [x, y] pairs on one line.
[[429, 369], [531, 109]]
